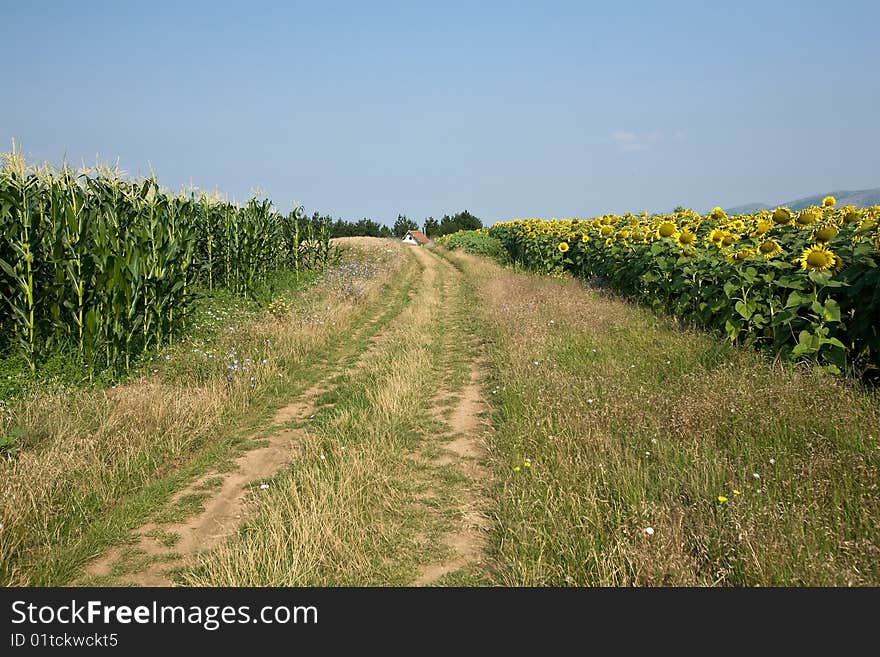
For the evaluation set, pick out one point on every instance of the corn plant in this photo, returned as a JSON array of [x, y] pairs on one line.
[[108, 267]]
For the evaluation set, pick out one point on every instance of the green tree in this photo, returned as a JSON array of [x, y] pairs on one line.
[[363, 228], [459, 221], [432, 227], [403, 224]]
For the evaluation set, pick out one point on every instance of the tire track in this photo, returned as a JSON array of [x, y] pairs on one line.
[[224, 506], [463, 446]]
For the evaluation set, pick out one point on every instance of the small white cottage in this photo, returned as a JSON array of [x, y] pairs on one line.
[[415, 237]]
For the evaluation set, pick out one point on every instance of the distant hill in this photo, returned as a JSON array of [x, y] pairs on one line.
[[861, 199], [748, 209]]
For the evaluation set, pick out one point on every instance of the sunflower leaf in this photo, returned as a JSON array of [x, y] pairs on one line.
[[831, 311], [746, 310]]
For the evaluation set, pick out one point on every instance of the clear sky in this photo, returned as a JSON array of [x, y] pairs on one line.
[[506, 109]]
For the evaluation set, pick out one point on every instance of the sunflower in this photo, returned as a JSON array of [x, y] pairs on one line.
[[563, 247], [824, 233], [686, 238], [782, 216], [818, 258], [769, 248], [807, 217], [606, 230], [744, 253], [727, 239], [585, 238], [850, 215], [717, 214], [829, 202], [667, 229], [609, 242], [762, 227], [716, 235]]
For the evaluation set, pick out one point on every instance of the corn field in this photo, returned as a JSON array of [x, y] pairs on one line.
[[109, 267]]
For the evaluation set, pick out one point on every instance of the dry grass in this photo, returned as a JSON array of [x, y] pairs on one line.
[[88, 450], [632, 423], [362, 506]]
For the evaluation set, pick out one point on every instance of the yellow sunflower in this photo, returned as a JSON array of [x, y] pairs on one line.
[[825, 233], [818, 258], [769, 248], [762, 227], [850, 215], [727, 239], [606, 230], [686, 238], [742, 254], [563, 247], [609, 242], [667, 229], [782, 216], [717, 214], [829, 202], [807, 217], [716, 235]]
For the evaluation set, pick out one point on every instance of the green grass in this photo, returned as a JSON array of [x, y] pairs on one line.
[[633, 423], [475, 242], [186, 506], [165, 538]]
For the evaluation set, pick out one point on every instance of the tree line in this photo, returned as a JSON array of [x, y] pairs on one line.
[[431, 227]]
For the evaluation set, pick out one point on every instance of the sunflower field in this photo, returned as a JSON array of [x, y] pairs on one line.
[[107, 268], [803, 284]]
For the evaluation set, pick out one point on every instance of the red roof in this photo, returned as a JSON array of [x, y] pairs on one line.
[[418, 236]]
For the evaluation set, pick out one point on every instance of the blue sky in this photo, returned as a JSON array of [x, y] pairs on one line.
[[505, 109]]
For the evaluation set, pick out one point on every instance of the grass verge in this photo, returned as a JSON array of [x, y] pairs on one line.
[[658, 456]]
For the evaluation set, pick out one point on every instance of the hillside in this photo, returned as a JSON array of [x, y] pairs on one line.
[[749, 208], [860, 198]]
